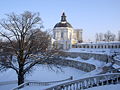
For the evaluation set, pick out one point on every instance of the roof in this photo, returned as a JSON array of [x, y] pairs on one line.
[[63, 22]]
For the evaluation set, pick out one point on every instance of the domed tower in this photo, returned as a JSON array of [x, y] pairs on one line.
[[63, 33]]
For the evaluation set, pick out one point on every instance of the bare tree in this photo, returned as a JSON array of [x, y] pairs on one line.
[[109, 36], [25, 45]]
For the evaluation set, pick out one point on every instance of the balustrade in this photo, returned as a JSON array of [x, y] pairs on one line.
[[89, 82]]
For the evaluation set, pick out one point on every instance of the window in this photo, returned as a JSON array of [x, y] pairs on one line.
[[54, 35], [70, 36], [61, 46], [62, 34]]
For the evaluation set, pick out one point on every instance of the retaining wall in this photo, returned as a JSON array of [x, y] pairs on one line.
[[76, 64], [86, 56]]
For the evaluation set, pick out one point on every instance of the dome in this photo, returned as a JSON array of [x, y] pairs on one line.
[[60, 24], [63, 22]]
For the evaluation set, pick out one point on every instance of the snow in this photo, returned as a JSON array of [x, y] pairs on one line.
[[8, 75], [117, 57], [116, 66], [106, 87], [42, 74], [33, 88]]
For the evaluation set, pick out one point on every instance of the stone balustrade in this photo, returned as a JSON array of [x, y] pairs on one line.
[[88, 82], [98, 45], [33, 83]]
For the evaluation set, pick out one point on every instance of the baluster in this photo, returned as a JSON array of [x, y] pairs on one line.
[[117, 79], [66, 87], [83, 84], [62, 87], [74, 86], [77, 86], [91, 83], [102, 83], [70, 87], [112, 80], [87, 83], [107, 81], [97, 81], [80, 84], [94, 83]]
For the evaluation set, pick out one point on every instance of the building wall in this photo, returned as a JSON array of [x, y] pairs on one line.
[[65, 37]]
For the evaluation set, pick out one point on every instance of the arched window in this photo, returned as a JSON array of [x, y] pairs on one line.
[[92, 46], [84, 46], [101, 46], [112, 46], [87, 46], [105, 46], [79, 46], [98, 46], [95, 46]]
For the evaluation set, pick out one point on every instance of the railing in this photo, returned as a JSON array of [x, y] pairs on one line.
[[89, 82], [40, 83]]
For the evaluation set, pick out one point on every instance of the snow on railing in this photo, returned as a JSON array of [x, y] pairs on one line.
[[88, 82], [40, 83]]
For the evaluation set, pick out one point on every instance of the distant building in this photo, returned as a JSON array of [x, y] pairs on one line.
[[64, 35]]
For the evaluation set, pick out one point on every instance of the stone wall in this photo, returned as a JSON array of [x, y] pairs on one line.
[[76, 64], [86, 56]]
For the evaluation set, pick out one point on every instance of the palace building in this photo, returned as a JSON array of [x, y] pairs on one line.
[[65, 35]]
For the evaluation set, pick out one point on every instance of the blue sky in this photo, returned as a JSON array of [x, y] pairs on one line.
[[91, 15]]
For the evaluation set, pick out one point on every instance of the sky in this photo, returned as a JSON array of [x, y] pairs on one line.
[[93, 16]]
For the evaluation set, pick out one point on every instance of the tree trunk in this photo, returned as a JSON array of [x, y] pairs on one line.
[[20, 75]]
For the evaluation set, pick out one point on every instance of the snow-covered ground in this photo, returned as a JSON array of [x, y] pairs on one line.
[[93, 50], [41, 74]]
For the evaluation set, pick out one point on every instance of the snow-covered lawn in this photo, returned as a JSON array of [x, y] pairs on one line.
[[41, 73]]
